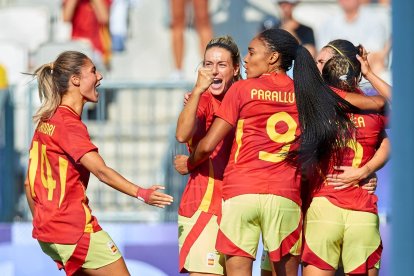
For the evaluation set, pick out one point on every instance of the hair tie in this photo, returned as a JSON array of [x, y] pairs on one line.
[[51, 67], [343, 77], [336, 49]]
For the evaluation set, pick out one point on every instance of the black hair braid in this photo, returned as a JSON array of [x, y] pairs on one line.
[[323, 116]]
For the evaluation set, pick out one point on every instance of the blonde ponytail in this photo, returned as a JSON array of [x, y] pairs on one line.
[[49, 99]]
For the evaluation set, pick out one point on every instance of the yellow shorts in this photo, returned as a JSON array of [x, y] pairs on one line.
[[334, 235], [245, 217], [93, 250], [197, 239]]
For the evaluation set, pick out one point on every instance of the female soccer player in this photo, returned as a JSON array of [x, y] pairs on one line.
[[271, 113], [61, 159], [200, 205], [344, 48], [346, 176], [348, 216]]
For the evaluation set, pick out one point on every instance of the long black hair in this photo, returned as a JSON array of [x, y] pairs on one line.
[[325, 126]]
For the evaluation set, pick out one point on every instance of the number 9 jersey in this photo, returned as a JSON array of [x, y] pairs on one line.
[[263, 111], [58, 181]]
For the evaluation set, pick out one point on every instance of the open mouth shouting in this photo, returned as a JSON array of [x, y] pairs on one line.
[[217, 83]]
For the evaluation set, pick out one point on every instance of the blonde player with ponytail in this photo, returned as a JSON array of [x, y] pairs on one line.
[[62, 157]]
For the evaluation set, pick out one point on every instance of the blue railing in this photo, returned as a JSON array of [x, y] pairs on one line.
[[9, 179]]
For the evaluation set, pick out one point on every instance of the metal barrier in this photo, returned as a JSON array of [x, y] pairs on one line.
[[133, 125], [8, 173]]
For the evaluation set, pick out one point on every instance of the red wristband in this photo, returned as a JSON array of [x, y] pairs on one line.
[[144, 194]]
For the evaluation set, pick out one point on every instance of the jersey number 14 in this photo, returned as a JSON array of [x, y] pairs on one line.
[[48, 182]]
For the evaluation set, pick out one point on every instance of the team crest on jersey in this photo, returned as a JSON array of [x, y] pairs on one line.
[[211, 259], [112, 247]]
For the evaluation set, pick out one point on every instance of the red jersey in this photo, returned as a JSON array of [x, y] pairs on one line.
[[85, 25], [370, 132], [204, 187], [265, 115], [58, 181]]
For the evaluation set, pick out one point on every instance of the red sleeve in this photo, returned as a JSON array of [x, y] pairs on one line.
[[75, 140], [339, 92], [201, 113], [229, 109], [384, 120]]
